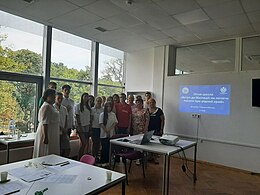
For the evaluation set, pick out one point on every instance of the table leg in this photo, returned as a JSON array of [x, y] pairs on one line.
[[7, 153], [110, 153], [165, 175], [123, 187], [168, 174], [195, 164]]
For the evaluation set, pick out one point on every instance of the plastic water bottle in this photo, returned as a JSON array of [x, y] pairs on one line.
[[12, 127]]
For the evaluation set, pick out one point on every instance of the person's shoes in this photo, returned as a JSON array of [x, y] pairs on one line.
[[104, 164], [137, 162], [117, 159], [156, 161]]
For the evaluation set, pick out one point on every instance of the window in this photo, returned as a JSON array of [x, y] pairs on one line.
[[77, 89], [111, 66], [108, 91], [20, 45], [71, 56], [110, 70], [205, 58], [251, 53], [17, 102]]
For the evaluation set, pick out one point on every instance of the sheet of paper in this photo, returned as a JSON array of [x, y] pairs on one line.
[[30, 174], [11, 187], [68, 179]]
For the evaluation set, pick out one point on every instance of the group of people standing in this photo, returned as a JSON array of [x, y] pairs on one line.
[[95, 119]]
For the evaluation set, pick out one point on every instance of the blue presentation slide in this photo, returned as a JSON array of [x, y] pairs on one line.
[[205, 99]]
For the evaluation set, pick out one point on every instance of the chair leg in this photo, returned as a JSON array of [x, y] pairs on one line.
[[143, 164], [130, 166], [114, 164], [126, 176]]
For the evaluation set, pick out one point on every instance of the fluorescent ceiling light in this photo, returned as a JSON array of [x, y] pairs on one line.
[[220, 61], [191, 17]]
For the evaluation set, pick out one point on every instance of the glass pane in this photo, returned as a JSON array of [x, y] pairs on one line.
[[71, 56], [20, 45], [111, 66], [77, 89], [251, 54], [17, 102], [108, 91], [205, 58]]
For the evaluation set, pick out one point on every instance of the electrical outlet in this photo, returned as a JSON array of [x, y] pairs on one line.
[[195, 115]]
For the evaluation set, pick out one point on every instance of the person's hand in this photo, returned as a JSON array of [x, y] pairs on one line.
[[46, 141]]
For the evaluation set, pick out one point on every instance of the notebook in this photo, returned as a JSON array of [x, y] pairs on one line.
[[146, 138]]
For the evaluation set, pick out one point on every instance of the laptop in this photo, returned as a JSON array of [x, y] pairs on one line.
[[146, 139]]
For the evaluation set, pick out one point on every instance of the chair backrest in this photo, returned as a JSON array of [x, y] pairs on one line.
[[88, 159]]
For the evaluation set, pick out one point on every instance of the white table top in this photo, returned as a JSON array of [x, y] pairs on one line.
[[82, 185], [24, 138], [154, 145]]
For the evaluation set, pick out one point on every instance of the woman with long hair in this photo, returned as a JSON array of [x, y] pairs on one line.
[[83, 112], [107, 121], [47, 140]]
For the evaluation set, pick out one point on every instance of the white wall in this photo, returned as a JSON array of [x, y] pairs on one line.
[[232, 140], [139, 70]]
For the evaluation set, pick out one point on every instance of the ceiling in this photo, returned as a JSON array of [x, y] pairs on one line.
[[144, 24]]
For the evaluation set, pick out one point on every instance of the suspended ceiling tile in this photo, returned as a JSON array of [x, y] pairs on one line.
[[86, 31], [158, 35], [142, 29], [149, 12], [136, 4], [103, 8], [213, 33], [48, 9], [239, 30], [204, 26], [125, 20], [254, 17], [114, 35], [178, 31], [235, 20], [82, 2], [256, 27], [164, 22], [75, 18], [187, 39], [177, 6], [191, 17], [251, 5], [224, 10], [206, 3], [104, 24], [14, 4], [167, 41]]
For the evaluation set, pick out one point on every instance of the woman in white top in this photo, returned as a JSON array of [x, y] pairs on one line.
[[107, 121], [47, 140], [95, 112], [83, 112]]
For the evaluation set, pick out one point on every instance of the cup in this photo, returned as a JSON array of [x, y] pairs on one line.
[[4, 175], [18, 134], [109, 175]]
